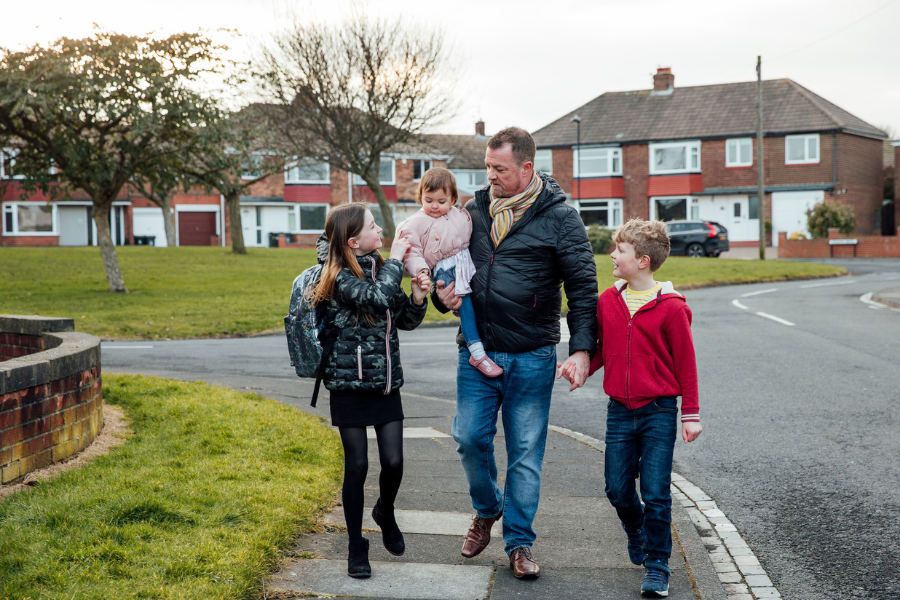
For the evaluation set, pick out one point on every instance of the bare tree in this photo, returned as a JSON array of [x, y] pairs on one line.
[[346, 93]]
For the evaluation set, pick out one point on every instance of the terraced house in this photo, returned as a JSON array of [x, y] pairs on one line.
[[691, 153], [293, 203]]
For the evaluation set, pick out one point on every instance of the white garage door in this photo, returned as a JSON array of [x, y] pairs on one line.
[[149, 221], [789, 211]]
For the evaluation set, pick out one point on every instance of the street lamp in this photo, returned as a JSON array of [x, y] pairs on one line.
[[577, 120]]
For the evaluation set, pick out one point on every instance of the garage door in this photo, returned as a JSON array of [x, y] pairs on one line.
[[149, 222], [196, 228], [789, 211]]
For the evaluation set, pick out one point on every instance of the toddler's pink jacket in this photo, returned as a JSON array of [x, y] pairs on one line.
[[434, 239]]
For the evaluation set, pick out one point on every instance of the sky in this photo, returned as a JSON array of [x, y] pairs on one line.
[[528, 62]]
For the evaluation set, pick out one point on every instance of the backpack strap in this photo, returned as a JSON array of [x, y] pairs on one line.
[[326, 350]]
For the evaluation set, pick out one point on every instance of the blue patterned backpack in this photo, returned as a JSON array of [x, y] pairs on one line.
[[304, 326]]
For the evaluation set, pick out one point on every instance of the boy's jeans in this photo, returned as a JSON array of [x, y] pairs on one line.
[[641, 442], [523, 390], [467, 321]]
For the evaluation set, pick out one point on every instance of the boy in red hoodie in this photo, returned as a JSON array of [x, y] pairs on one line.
[[645, 345]]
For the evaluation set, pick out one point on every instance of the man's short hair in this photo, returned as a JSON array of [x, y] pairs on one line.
[[435, 179], [649, 238], [521, 141]]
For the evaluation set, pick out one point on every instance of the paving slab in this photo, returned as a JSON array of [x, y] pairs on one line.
[[419, 521], [389, 580]]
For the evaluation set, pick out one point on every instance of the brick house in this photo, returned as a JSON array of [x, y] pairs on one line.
[[294, 202], [677, 153]]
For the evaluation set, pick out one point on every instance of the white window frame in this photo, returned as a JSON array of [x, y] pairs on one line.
[[737, 143], [12, 208], [357, 180], [692, 149], [253, 157], [421, 162], [11, 153], [613, 207], [806, 139], [612, 156], [547, 157], [692, 210], [292, 166], [296, 210]]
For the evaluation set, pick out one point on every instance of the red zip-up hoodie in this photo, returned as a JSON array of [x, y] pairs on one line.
[[650, 354]]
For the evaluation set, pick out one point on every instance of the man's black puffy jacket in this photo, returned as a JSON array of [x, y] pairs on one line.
[[516, 288]]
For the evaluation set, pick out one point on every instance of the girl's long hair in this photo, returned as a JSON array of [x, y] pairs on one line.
[[343, 222]]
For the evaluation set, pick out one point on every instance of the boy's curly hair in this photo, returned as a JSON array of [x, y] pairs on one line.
[[649, 238]]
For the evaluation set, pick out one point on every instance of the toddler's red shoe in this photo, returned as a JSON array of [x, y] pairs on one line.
[[486, 367]]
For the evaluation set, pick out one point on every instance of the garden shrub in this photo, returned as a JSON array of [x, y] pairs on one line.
[[825, 215], [600, 239]]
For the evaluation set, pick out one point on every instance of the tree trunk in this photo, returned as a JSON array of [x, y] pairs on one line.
[[233, 201], [168, 220], [100, 213], [386, 215]]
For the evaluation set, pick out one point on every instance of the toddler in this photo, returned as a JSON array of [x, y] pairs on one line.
[[438, 236]]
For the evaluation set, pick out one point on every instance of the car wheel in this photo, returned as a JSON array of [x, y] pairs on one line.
[[695, 251]]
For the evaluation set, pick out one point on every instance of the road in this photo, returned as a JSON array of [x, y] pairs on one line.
[[799, 388]]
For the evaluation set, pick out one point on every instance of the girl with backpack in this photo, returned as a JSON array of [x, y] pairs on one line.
[[363, 371]]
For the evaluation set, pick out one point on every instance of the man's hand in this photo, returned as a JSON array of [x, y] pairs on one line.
[[690, 430], [575, 369], [448, 296]]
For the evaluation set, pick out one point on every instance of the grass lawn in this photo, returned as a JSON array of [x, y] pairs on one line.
[[198, 504], [208, 292]]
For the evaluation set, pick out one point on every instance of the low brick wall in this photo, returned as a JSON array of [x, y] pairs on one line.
[[51, 398], [866, 246]]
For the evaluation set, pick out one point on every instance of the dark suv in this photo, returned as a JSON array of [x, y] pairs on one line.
[[697, 238]]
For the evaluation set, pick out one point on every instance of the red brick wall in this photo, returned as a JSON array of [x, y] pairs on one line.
[[29, 240], [403, 174], [271, 186], [636, 168], [14, 345], [716, 174], [339, 194], [563, 168], [867, 246], [47, 423], [860, 172]]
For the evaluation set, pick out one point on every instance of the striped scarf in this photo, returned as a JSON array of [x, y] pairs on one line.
[[506, 211]]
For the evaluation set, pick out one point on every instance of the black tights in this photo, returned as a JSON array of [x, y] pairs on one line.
[[356, 466]]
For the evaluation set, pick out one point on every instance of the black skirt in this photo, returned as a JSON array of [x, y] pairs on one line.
[[359, 409]]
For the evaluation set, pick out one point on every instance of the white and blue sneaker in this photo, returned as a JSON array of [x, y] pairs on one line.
[[656, 578]]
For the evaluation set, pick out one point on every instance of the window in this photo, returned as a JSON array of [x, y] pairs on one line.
[[252, 167], [475, 178], [376, 213], [801, 149], [8, 163], [674, 209], [597, 162], [419, 167], [605, 213], [753, 208], [675, 157], [739, 152], [29, 219], [306, 218], [543, 161], [307, 170], [385, 173]]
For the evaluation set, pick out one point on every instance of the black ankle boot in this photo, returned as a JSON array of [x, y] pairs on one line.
[[358, 560], [391, 535]]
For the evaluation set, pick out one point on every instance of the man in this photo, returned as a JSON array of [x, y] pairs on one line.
[[526, 242]]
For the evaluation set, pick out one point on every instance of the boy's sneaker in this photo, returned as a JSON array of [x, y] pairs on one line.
[[635, 545], [656, 578]]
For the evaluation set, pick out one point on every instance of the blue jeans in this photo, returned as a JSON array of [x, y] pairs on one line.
[[641, 442], [523, 390], [467, 322]]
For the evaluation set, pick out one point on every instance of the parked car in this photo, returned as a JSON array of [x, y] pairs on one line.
[[697, 238]]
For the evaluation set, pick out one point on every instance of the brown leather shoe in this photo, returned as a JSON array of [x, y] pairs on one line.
[[478, 536], [522, 563]]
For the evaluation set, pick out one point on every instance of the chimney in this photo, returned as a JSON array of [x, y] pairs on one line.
[[663, 80], [479, 128]]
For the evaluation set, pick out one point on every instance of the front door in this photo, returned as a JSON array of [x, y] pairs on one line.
[[251, 223], [74, 225]]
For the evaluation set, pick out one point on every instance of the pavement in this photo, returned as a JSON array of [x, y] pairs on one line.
[[889, 297], [750, 252], [580, 545]]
